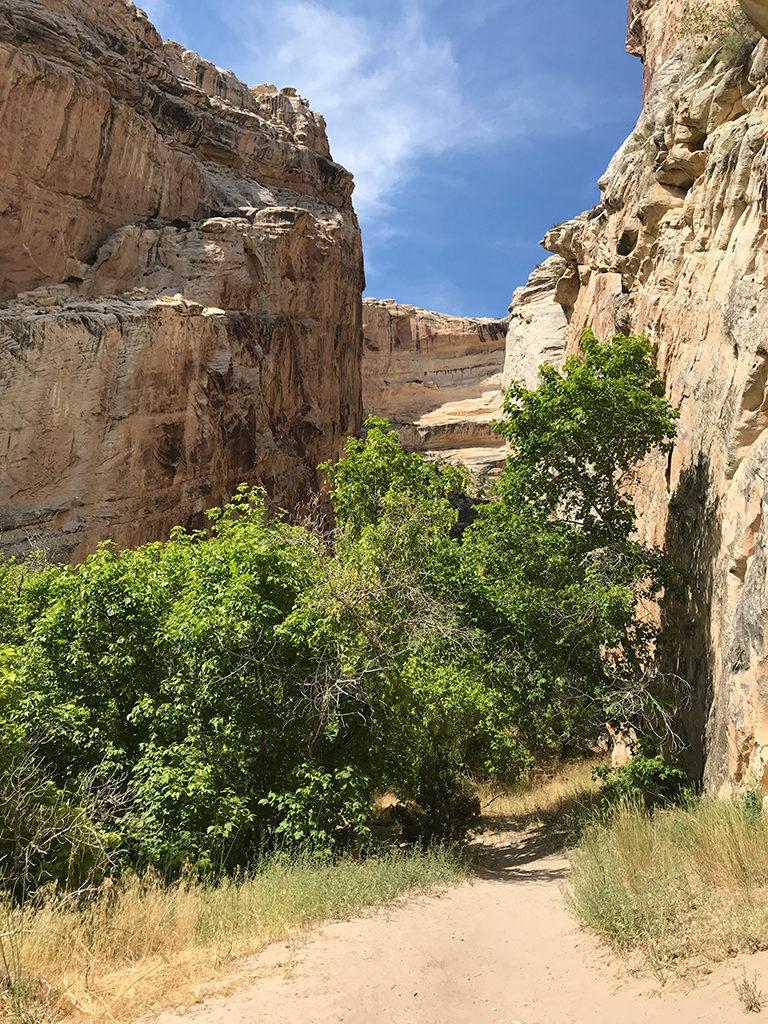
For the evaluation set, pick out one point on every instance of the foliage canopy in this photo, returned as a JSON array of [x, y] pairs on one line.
[[252, 684]]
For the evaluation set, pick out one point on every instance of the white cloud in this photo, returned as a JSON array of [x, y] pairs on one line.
[[389, 92], [388, 85]]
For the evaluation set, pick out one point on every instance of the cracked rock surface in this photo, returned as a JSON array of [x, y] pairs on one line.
[[181, 277], [437, 378]]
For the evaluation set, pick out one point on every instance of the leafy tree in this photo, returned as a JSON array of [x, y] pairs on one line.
[[375, 469], [48, 833], [579, 437], [647, 778], [163, 669], [405, 683], [569, 585], [251, 684]]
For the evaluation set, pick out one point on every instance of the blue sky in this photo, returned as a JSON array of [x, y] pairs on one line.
[[470, 127]]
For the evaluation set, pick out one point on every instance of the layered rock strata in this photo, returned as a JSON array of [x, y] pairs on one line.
[[677, 248], [181, 268], [441, 379], [437, 378]]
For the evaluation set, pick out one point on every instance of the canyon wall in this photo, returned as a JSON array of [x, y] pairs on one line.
[[757, 12], [678, 249], [437, 378], [181, 278], [441, 379], [537, 323]]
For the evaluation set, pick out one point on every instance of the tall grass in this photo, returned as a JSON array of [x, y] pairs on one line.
[[680, 886], [140, 944], [565, 789]]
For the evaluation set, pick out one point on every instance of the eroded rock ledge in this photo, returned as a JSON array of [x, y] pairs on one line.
[[757, 12], [441, 379], [182, 274], [537, 323], [437, 378]]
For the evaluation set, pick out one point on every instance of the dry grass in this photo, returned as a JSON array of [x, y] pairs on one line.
[[750, 996], [546, 795], [684, 887], [141, 944]]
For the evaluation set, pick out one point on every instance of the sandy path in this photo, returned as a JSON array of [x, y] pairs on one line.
[[502, 950]]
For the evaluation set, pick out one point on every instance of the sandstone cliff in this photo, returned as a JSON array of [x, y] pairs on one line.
[[757, 12], [537, 323], [677, 248], [437, 378], [181, 269], [441, 379]]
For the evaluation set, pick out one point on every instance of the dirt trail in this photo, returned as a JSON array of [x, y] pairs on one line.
[[501, 950]]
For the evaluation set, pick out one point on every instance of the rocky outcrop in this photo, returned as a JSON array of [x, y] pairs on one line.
[[677, 248], [653, 32], [105, 125], [441, 379], [537, 323], [437, 378], [182, 275]]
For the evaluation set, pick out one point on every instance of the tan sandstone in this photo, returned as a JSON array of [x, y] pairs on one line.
[[441, 379], [677, 248], [757, 12], [437, 378], [182, 274], [537, 323]]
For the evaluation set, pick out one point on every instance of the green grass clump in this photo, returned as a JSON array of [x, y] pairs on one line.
[[677, 884], [722, 31], [293, 892]]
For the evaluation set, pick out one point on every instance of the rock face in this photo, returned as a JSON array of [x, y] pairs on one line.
[[437, 378], [653, 32], [677, 248], [135, 172], [441, 379], [537, 323]]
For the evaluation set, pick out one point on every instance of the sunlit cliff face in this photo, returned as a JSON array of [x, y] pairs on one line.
[[181, 268], [677, 249]]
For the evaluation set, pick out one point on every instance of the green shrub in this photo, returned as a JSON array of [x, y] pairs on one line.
[[445, 807], [725, 33], [250, 684], [650, 779], [323, 812], [753, 807], [49, 835], [675, 883]]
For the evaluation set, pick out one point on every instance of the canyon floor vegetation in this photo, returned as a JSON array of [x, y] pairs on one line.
[[137, 944], [683, 887], [184, 712]]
